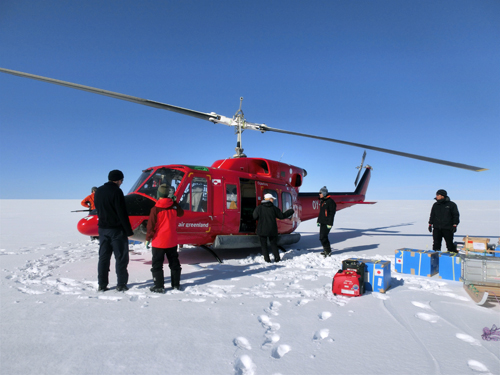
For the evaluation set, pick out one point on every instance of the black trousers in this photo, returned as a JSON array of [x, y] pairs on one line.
[[273, 240], [112, 241], [438, 234], [159, 257], [324, 231]]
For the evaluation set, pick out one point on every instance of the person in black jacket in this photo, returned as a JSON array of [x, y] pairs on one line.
[[444, 220], [114, 228], [327, 210], [266, 214]]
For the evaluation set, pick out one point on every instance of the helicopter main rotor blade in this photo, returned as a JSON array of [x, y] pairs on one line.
[[133, 99], [215, 118], [388, 151]]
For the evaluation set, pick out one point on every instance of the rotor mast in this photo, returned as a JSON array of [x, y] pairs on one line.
[[240, 121], [240, 124]]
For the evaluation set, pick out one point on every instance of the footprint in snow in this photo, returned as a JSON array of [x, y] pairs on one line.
[[270, 340], [477, 366], [471, 340], [242, 343], [280, 351], [321, 334], [266, 323], [421, 305], [427, 317], [273, 308], [302, 302], [244, 366], [325, 315]]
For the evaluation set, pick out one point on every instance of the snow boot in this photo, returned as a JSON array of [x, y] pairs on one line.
[[175, 277], [159, 279], [327, 250]]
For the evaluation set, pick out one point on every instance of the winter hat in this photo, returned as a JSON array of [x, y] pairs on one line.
[[94, 188], [115, 175], [268, 196], [324, 191], [442, 192], [163, 191]]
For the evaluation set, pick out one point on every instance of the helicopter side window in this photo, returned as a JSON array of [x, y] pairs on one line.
[[274, 194], [231, 197], [286, 199], [195, 196]]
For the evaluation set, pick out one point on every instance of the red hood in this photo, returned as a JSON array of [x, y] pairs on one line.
[[164, 203]]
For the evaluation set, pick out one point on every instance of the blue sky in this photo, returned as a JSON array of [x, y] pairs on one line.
[[416, 76]]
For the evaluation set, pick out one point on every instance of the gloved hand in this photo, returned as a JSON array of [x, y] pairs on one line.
[[454, 229], [318, 224], [329, 226], [430, 228], [147, 244]]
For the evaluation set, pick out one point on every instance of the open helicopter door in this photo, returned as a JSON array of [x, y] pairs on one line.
[[198, 220], [248, 203]]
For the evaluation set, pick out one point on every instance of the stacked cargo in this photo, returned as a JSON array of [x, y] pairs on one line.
[[477, 265]]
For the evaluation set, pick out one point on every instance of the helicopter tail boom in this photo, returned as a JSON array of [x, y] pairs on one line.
[[310, 201]]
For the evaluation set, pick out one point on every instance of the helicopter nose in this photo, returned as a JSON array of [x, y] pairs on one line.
[[88, 226]]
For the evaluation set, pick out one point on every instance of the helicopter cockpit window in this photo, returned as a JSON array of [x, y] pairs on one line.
[[195, 197], [162, 176], [274, 194], [231, 197], [140, 180], [286, 199]]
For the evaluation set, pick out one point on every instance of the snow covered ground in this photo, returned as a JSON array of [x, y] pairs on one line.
[[243, 316]]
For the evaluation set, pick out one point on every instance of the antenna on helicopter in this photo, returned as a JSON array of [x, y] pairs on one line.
[[239, 120]]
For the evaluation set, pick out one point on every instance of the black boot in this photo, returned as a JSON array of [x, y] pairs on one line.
[[327, 250], [158, 278], [175, 278]]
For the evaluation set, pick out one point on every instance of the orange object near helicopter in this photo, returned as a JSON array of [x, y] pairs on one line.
[[219, 200]]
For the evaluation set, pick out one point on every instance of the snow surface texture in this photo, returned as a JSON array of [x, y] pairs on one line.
[[243, 316]]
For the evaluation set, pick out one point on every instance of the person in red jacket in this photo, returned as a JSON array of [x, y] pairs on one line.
[[162, 233], [89, 200]]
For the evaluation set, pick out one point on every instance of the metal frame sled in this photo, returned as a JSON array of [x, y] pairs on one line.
[[481, 276], [481, 294]]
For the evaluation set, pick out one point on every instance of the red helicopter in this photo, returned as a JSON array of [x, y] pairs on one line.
[[219, 200]]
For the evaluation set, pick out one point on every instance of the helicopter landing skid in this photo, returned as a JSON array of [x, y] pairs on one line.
[[212, 252]]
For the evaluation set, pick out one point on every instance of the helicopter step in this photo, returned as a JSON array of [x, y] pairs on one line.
[[246, 242], [242, 242]]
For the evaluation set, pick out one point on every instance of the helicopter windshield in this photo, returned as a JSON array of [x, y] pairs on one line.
[[148, 183]]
